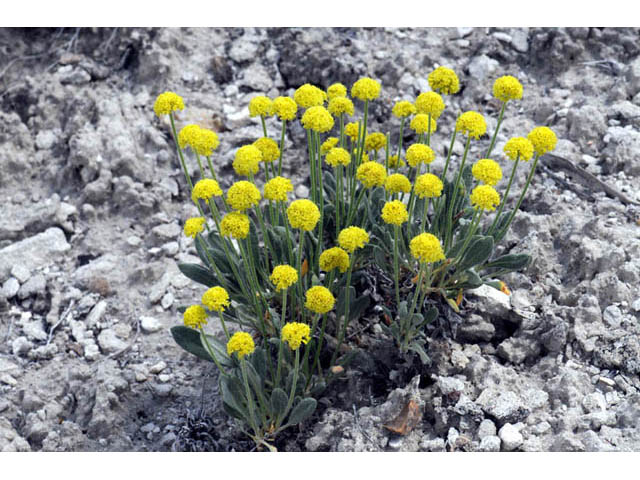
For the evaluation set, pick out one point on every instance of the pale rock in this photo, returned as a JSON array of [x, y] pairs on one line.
[[490, 443], [511, 437], [21, 346], [167, 300], [481, 67], [95, 315], [35, 286], [594, 402], [612, 316], [38, 251], [487, 428], [158, 367], [109, 341], [10, 288], [21, 273], [34, 330], [150, 324], [45, 139], [91, 351], [504, 406]]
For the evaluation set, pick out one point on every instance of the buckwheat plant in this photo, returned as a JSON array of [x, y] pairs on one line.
[[279, 275]]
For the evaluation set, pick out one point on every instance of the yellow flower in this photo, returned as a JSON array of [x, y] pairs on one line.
[[319, 299], [277, 188], [168, 102], [242, 343], [285, 108], [242, 195], [260, 106], [397, 183], [365, 156], [303, 214], [340, 105], [336, 90], [472, 124], [371, 174], [188, 135], [317, 119], [543, 140], [403, 109], [268, 148], [518, 146], [247, 160], [338, 156], [485, 197], [205, 189], [395, 161], [375, 141], [487, 171], [395, 212], [426, 248], [420, 123], [419, 153], [334, 257], [216, 299], [283, 276], [235, 224], [309, 96], [328, 144], [444, 80], [351, 131], [194, 226], [430, 103], [295, 334], [507, 88], [206, 142], [365, 89], [351, 238], [428, 185], [194, 316]]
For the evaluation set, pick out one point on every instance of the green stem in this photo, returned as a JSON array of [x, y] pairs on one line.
[[429, 130], [446, 163], [416, 294], [321, 188], [495, 132], [203, 336], [284, 128], [506, 196], [400, 141], [313, 167], [396, 269], [345, 324], [264, 126], [224, 326], [184, 165], [475, 221], [294, 384], [245, 380], [454, 196]]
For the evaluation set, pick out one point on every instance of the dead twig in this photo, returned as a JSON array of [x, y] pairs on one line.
[[128, 347], [62, 319]]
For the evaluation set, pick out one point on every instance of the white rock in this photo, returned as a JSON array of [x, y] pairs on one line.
[[594, 402], [490, 443], [10, 288], [91, 351], [511, 437], [45, 139], [635, 306], [34, 330], [36, 285], [520, 39], [486, 429], [38, 251], [612, 316], [95, 315], [109, 342], [167, 300], [150, 324], [158, 367], [21, 346], [21, 273], [481, 67]]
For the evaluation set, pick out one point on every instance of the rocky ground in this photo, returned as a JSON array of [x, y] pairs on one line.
[[93, 201]]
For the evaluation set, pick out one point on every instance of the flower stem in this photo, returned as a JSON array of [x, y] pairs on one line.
[[396, 269], [245, 379], [495, 132], [184, 165], [454, 196], [345, 324], [264, 126], [284, 129], [203, 336]]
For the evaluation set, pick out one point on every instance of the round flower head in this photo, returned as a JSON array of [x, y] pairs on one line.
[[487, 171], [365, 89], [309, 96], [283, 276], [168, 102], [397, 183], [216, 299], [419, 153], [444, 80], [319, 299], [205, 189], [247, 160], [351, 238], [426, 248], [205, 142], [303, 214], [336, 90], [472, 124], [193, 226], [277, 188], [339, 105], [543, 140], [351, 131], [194, 316], [317, 119], [395, 212], [430, 103], [375, 141], [260, 106], [338, 156], [242, 195], [235, 224], [189, 135], [403, 109], [295, 334], [518, 146], [507, 88], [428, 185], [420, 123], [371, 174], [268, 148], [334, 257], [395, 161], [241, 343], [285, 108], [328, 144], [485, 197]]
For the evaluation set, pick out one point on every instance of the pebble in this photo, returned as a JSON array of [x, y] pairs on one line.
[[34, 330], [435, 445], [164, 378], [487, 428], [8, 380], [490, 443], [36, 285], [109, 342], [635, 306], [162, 389], [21, 346], [95, 315], [167, 300], [91, 351], [171, 248], [158, 367], [511, 437], [395, 443], [10, 287], [134, 241], [150, 324], [450, 385], [21, 272], [594, 402], [612, 316]]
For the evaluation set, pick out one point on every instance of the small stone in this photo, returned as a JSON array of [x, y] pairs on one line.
[[490, 443], [8, 380], [168, 439], [148, 427], [34, 252], [36, 285], [21, 346], [395, 443], [44, 352], [481, 67], [150, 324], [134, 241], [612, 316], [45, 139], [450, 385], [302, 191], [162, 389], [486, 429], [541, 428], [10, 288], [164, 378], [434, 445], [635, 306], [158, 367], [167, 300], [594, 402], [171, 248], [167, 231], [95, 315], [21, 272], [504, 406], [535, 398], [109, 341], [34, 330], [91, 351], [511, 437], [520, 39]]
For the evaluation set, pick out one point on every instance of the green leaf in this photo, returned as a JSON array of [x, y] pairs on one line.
[[358, 306], [198, 274], [417, 348], [511, 262], [259, 362], [430, 316], [477, 252], [278, 401], [232, 394], [471, 280], [303, 410], [189, 339]]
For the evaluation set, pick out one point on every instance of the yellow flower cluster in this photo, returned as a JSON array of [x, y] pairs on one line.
[[336, 90], [485, 197], [283, 276], [216, 299], [430, 103], [403, 109], [340, 105], [444, 80], [375, 141], [168, 102], [201, 140], [419, 153], [395, 212], [277, 188], [247, 160], [487, 171], [518, 146], [194, 316], [235, 224], [193, 226], [319, 299], [472, 124], [426, 248], [338, 156], [328, 144], [371, 174], [507, 88], [268, 148], [303, 214], [318, 119], [365, 89], [395, 161], [351, 131], [205, 189], [309, 96], [260, 106], [543, 140], [428, 185], [295, 334], [188, 135], [285, 108], [420, 123], [332, 258], [241, 343], [243, 195], [351, 238], [397, 183]]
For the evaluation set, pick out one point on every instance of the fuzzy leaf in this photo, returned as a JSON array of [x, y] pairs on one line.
[[303, 410], [278, 401], [472, 280], [198, 274], [417, 348], [479, 251], [511, 262], [189, 340], [232, 394]]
